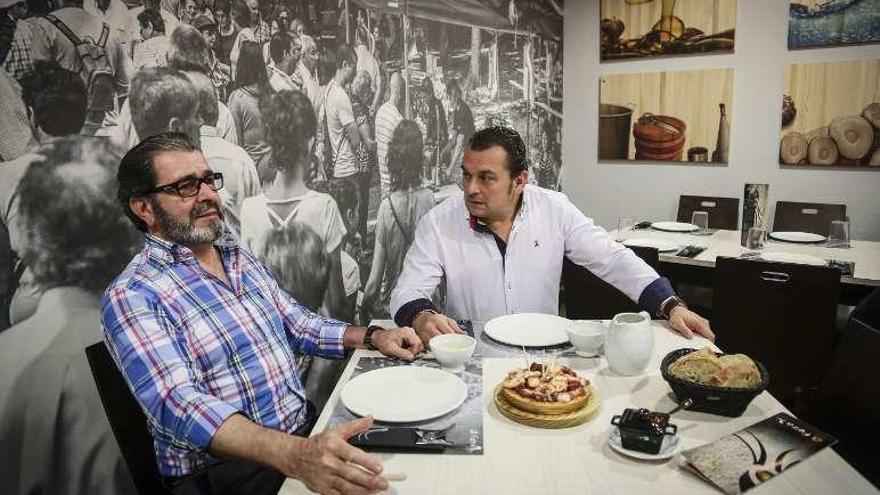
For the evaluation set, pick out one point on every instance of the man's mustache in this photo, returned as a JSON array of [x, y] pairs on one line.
[[204, 207]]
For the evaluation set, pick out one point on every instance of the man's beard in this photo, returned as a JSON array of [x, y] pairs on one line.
[[185, 233]]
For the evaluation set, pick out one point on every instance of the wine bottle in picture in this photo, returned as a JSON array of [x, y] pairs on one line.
[[723, 142]]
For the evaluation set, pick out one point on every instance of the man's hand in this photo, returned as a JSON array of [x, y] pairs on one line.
[[325, 462], [429, 325], [401, 343], [688, 323]]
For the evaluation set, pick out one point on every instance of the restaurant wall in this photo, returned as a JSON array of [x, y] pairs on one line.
[[650, 191]]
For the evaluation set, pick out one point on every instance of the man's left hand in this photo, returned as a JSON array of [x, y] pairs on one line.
[[401, 343], [688, 323]]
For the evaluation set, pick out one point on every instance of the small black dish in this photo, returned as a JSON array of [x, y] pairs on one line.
[[643, 430]]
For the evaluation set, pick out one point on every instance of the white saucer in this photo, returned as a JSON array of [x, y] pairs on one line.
[[668, 448]]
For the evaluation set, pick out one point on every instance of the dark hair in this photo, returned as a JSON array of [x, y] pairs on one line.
[[360, 36], [241, 14], [405, 156], [326, 67], [153, 17], [289, 122], [136, 174], [158, 95], [507, 138], [224, 6], [208, 108], [188, 50], [453, 87], [278, 46], [75, 235], [297, 257], [57, 97], [251, 68], [346, 54]]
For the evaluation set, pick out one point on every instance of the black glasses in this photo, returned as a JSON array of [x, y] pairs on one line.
[[190, 186]]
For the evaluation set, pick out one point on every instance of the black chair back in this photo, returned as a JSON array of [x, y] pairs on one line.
[[780, 314], [127, 420], [588, 297], [723, 212], [846, 403], [806, 217]]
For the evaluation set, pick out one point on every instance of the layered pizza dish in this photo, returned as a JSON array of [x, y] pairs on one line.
[[546, 389]]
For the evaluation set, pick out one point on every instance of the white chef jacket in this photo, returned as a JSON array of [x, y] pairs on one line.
[[481, 284]]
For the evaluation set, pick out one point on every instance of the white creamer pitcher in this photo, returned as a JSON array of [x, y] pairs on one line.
[[629, 343]]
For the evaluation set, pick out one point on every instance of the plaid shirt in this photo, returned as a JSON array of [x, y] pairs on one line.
[[20, 61], [195, 351]]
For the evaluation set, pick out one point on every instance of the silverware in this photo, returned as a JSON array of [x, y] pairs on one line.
[[681, 405]]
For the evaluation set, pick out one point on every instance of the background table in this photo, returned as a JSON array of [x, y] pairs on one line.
[[521, 460], [699, 270]]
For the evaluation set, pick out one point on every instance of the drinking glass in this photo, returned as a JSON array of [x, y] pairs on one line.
[[838, 234], [700, 219], [624, 225], [757, 237]]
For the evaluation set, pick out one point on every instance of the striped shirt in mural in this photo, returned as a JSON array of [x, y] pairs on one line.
[[195, 350]]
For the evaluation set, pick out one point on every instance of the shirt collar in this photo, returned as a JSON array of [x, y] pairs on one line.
[[208, 131], [479, 225], [169, 251]]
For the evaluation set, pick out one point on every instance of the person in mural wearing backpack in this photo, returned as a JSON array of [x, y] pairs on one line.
[[398, 216], [81, 42]]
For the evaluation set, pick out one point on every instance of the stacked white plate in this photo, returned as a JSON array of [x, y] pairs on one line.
[[658, 244], [674, 227], [528, 329], [403, 394], [799, 237]]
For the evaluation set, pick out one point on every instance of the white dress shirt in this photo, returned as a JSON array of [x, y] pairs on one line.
[[481, 284]]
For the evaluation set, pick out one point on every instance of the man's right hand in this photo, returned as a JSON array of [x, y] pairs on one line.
[[429, 325], [325, 462]]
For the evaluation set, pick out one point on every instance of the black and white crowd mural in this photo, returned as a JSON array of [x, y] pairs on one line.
[[336, 124]]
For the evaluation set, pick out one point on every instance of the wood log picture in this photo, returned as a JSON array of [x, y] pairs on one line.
[[838, 119]]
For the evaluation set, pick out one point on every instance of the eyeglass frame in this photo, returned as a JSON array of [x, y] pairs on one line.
[[174, 187]]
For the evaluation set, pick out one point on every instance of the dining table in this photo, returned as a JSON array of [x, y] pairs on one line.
[[519, 459], [865, 256]]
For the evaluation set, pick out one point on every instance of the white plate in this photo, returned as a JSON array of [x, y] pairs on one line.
[[805, 237], [668, 448], [800, 259], [402, 394], [674, 227], [660, 245], [528, 329]]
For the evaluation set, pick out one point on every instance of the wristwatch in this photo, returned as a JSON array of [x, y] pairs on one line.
[[368, 337], [668, 305]]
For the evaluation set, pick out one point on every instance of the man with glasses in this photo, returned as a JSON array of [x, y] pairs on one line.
[[206, 340]]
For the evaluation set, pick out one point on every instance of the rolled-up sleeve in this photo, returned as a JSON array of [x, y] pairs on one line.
[[590, 246], [422, 268], [139, 334]]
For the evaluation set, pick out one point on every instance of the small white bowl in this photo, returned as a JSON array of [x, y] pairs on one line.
[[453, 350], [587, 336]]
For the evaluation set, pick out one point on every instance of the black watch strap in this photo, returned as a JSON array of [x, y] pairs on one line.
[[669, 304], [368, 336]]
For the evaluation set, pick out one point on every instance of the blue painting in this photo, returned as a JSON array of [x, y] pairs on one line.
[[815, 23]]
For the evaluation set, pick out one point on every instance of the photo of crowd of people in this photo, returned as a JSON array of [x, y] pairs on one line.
[[336, 124]]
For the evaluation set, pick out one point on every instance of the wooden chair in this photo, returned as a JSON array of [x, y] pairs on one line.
[[588, 297], [806, 217], [780, 314], [723, 212], [846, 405], [127, 420]]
